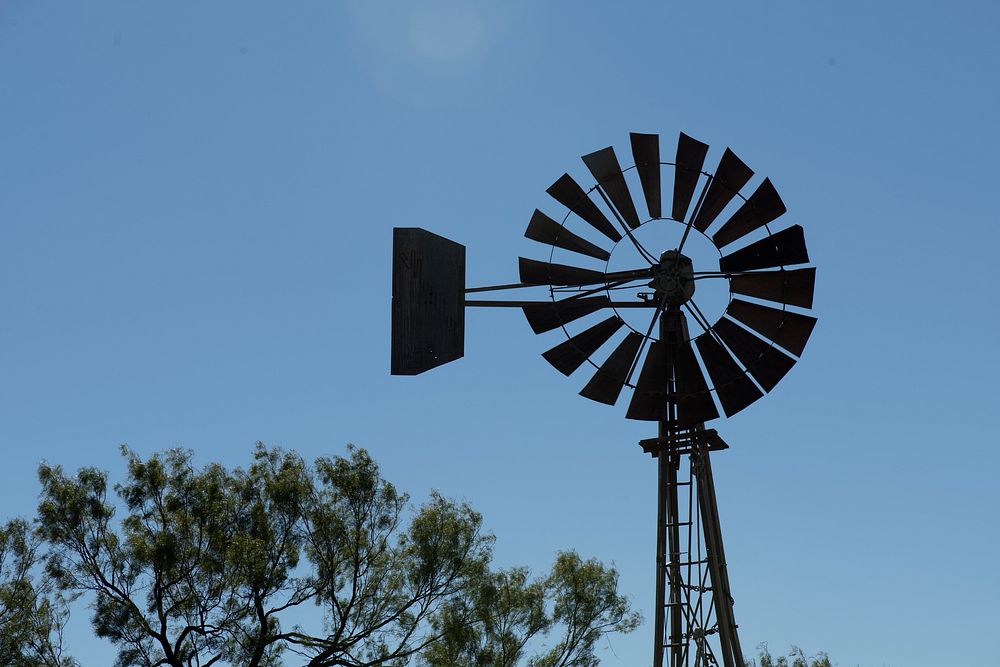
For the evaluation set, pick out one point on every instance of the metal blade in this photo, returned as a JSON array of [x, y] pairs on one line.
[[765, 362], [609, 379], [567, 192], [789, 330], [571, 353], [693, 399], [785, 248], [603, 164], [735, 389], [729, 179], [690, 396], [544, 317], [534, 272], [689, 162], [649, 400], [646, 152], [544, 229], [763, 207], [791, 287]]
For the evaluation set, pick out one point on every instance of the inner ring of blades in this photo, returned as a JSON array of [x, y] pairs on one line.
[[686, 291]]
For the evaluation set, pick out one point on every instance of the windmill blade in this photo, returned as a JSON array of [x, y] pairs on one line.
[[785, 248], [649, 400], [789, 330], [544, 317], [646, 152], [688, 165], [567, 192], [729, 179], [534, 272], [763, 206], [603, 164], [690, 394], [570, 354], [765, 362], [544, 229], [609, 379], [791, 287], [734, 387], [693, 399]]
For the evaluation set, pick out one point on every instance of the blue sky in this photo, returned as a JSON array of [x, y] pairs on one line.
[[196, 203]]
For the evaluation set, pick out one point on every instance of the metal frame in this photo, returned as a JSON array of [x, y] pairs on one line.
[[694, 620], [693, 600]]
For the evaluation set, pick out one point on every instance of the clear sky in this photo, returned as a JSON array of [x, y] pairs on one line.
[[196, 204]]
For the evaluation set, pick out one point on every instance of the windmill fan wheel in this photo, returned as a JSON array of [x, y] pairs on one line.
[[673, 377]]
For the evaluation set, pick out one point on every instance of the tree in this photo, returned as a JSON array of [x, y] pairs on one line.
[[578, 601], [795, 658], [31, 616], [210, 565]]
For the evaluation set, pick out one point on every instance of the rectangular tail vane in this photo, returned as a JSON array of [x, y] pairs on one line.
[[428, 301]]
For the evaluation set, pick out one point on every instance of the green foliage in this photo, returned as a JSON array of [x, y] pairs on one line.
[[31, 616], [206, 565], [578, 602], [795, 658], [588, 606]]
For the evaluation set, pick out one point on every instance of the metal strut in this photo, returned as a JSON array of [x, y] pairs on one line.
[[694, 624], [693, 598]]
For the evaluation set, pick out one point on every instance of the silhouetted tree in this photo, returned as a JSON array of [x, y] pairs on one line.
[[32, 615], [795, 658], [210, 566], [577, 604]]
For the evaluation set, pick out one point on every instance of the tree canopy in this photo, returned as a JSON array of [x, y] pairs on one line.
[[796, 658], [286, 562], [32, 614]]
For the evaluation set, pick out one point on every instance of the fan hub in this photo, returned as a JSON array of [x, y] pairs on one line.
[[674, 279]]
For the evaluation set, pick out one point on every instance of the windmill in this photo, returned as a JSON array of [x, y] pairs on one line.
[[623, 307]]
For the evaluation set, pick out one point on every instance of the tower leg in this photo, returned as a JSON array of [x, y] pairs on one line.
[[694, 624], [661, 564], [676, 637], [668, 569], [732, 655]]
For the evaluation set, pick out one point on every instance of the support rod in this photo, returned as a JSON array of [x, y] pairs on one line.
[[732, 655], [659, 608], [676, 637], [549, 302], [693, 598]]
